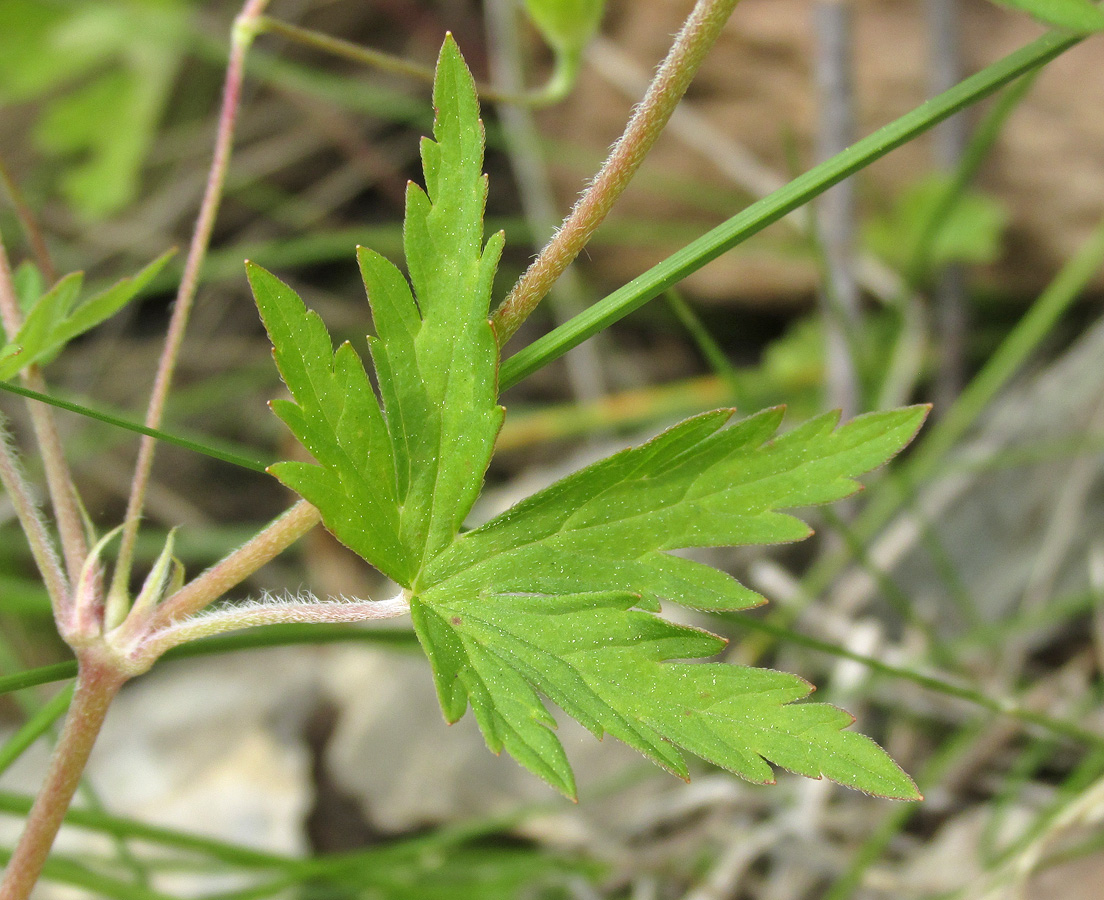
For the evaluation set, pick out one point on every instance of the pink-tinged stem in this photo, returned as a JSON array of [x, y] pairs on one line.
[[268, 612], [59, 480], [34, 527], [244, 31], [698, 34], [97, 685], [235, 568]]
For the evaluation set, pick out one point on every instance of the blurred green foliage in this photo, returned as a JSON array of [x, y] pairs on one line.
[[567, 25], [928, 227], [1076, 15], [102, 73]]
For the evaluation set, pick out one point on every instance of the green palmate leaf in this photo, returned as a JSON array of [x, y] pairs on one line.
[[556, 598], [541, 599], [56, 317], [396, 484]]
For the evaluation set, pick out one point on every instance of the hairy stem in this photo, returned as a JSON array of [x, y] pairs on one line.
[[97, 685], [244, 32], [525, 147], [59, 480], [271, 612], [235, 568], [34, 527], [698, 34]]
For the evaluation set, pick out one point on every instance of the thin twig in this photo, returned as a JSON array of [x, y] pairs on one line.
[[945, 61], [835, 209], [527, 160], [59, 480], [551, 92], [688, 51], [244, 31], [34, 527], [29, 223]]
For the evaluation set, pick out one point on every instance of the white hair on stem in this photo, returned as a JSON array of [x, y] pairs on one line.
[[303, 608]]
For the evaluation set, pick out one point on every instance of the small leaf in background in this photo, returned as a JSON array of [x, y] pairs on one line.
[[970, 231], [29, 285], [1076, 15], [567, 25], [56, 317], [114, 65], [29, 64]]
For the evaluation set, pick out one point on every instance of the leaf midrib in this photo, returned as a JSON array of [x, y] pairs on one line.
[[582, 529]]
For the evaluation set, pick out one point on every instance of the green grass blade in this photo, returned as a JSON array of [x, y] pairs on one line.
[[35, 727], [41, 675], [773, 207], [66, 870], [1078, 15], [936, 683], [207, 449], [254, 639], [123, 827]]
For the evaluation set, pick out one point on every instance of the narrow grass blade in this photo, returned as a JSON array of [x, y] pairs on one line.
[[771, 208]]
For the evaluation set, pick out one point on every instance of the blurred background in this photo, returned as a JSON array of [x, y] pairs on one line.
[[955, 607]]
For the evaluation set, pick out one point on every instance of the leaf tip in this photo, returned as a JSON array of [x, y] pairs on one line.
[[909, 794], [450, 43]]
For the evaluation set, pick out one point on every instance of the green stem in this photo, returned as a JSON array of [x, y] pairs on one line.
[[59, 480], [697, 36], [245, 29], [97, 685], [226, 455]]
